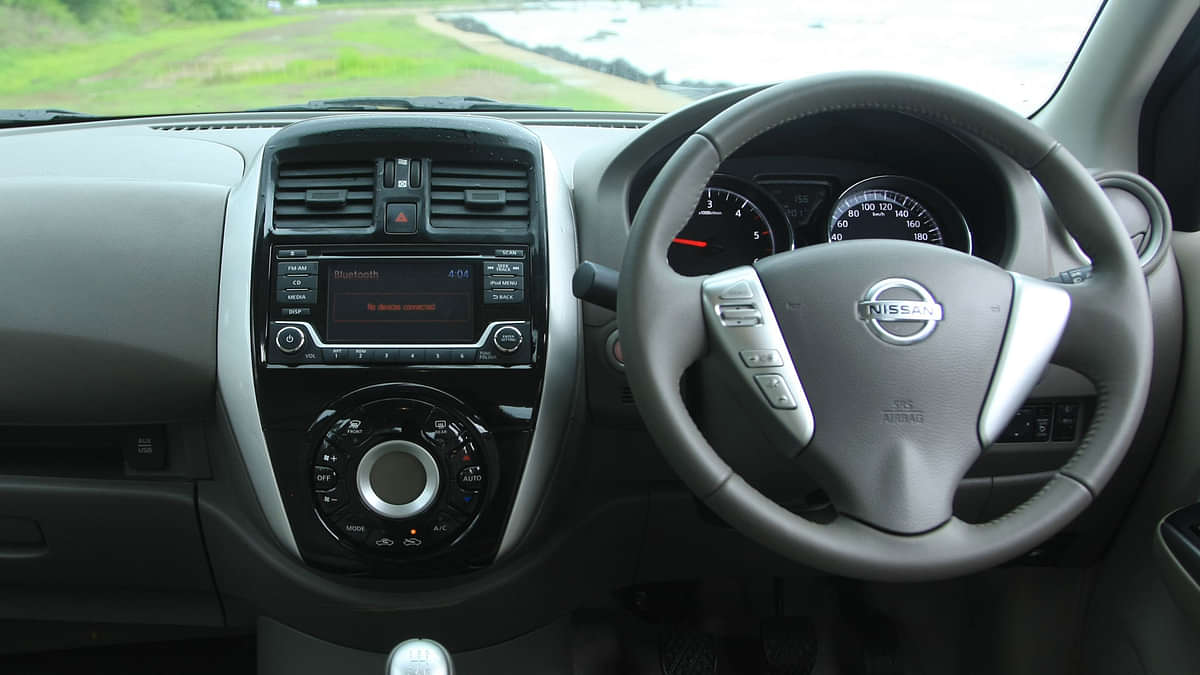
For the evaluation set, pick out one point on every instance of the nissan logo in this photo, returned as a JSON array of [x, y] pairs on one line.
[[900, 311]]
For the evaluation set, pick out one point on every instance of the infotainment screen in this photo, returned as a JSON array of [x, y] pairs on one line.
[[402, 302]]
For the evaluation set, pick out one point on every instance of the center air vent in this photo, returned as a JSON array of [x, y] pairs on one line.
[[325, 195], [478, 196]]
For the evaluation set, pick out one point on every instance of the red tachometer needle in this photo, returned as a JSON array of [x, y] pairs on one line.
[[691, 242]]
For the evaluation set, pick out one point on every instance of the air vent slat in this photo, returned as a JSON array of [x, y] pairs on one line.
[[459, 196], [301, 210], [322, 183], [501, 183], [479, 196], [311, 196], [509, 211]]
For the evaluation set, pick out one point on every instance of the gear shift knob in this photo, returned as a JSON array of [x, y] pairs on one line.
[[419, 657]]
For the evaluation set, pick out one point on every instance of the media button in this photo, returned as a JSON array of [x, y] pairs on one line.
[[297, 297], [503, 297]]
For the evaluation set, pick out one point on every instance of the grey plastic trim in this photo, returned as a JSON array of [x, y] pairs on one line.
[[385, 508], [318, 342], [562, 355], [1035, 324], [732, 340], [235, 353]]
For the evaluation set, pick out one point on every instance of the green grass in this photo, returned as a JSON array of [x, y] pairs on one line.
[[261, 62]]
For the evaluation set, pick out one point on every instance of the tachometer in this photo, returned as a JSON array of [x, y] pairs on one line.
[[891, 207], [727, 229]]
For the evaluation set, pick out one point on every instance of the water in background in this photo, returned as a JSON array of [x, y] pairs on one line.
[[1013, 51]]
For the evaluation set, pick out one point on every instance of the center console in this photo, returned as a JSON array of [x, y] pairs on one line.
[[400, 331]]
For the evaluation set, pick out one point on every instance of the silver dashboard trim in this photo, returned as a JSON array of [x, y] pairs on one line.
[[562, 356], [235, 352], [318, 342], [1035, 324]]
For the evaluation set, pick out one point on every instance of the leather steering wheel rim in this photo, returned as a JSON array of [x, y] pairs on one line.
[[667, 325]]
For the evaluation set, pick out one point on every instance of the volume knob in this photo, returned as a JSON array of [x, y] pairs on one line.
[[289, 339]]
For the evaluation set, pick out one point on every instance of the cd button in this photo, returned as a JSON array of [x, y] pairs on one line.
[[301, 283]]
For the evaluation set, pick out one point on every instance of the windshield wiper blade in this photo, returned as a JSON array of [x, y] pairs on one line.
[[24, 117], [412, 103]]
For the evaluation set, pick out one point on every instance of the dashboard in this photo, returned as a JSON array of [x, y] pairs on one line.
[[338, 300]]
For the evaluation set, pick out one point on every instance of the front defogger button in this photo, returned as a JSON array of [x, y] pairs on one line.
[[289, 339], [507, 339], [398, 479]]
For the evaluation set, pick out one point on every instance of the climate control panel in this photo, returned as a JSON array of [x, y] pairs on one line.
[[400, 477]]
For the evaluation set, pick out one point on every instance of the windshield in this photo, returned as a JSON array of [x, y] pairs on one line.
[[127, 57]]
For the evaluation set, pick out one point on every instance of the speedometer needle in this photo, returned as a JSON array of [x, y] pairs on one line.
[[691, 242]]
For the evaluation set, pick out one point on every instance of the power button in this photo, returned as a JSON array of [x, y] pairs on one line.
[[289, 339], [507, 339]]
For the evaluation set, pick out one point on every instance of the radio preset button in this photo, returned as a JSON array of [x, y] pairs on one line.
[[437, 356], [411, 355], [360, 355], [297, 268], [289, 339], [462, 356], [297, 297], [507, 339], [494, 297], [504, 267]]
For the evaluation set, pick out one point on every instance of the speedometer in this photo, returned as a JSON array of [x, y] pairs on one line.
[[892, 207]]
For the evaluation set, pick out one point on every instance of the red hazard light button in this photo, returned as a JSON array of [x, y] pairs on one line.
[[401, 219]]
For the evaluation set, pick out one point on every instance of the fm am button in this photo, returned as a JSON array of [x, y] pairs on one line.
[[401, 219]]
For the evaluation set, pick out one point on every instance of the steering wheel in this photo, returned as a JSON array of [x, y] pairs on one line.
[[884, 368]]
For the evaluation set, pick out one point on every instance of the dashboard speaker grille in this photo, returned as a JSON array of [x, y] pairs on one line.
[[325, 195], [478, 197]]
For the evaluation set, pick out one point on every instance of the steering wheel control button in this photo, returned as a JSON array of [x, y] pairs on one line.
[[289, 339], [738, 291], [900, 311], [776, 391], [1042, 421], [507, 339], [398, 479], [739, 315], [1020, 429], [471, 479], [324, 478], [761, 358], [1066, 421]]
